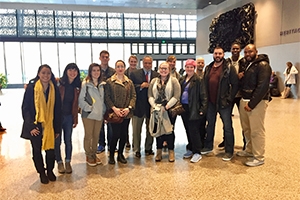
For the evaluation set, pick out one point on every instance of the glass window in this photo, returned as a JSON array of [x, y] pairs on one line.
[[156, 48], [81, 24], [13, 62], [8, 22], [163, 48], [192, 49], [31, 60], [50, 56], [83, 55], [63, 23], [149, 48], [134, 48], [131, 25], [115, 25], [170, 48], [26, 23], [98, 25], [184, 48], [147, 26], [178, 65], [178, 48], [66, 55], [116, 53], [2, 66], [45, 23], [141, 48], [96, 49], [127, 53]]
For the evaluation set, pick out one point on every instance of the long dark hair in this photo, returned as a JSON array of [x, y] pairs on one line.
[[40, 68], [64, 79]]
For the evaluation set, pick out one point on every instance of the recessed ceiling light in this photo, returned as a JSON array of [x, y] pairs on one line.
[[174, 6], [162, 12], [209, 2]]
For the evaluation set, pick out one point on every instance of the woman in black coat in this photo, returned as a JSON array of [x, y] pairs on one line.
[[194, 101], [41, 110]]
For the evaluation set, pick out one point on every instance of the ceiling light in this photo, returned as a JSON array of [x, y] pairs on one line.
[[209, 2]]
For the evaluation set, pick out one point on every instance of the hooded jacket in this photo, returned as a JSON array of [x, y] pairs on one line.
[[255, 83]]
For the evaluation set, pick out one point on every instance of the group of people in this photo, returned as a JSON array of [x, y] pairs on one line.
[[50, 108]]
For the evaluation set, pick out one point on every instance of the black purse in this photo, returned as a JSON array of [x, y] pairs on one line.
[[89, 100]]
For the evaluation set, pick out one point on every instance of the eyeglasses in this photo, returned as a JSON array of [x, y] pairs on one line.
[[163, 68]]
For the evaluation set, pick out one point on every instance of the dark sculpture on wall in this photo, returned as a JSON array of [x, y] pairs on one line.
[[236, 25]]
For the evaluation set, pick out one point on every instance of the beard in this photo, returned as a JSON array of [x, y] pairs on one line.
[[251, 58], [218, 59]]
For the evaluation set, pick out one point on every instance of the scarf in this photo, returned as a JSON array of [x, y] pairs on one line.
[[44, 113]]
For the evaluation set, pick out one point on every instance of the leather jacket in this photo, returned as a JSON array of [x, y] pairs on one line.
[[197, 96], [256, 79], [228, 85]]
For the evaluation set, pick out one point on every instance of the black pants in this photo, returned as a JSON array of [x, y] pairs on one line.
[[170, 138], [119, 132], [236, 101], [36, 143], [192, 128]]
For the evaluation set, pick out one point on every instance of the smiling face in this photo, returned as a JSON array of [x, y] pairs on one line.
[[104, 58], [250, 53], [147, 63], [132, 62], [189, 70], [45, 75], [72, 74], [164, 69], [95, 73], [120, 68], [200, 64], [172, 63], [235, 50]]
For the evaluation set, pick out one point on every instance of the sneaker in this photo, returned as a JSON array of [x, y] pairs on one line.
[[206, 151], [196, 157], [253, 162], [188, 154], [68, 168], [100, 149], [227, 157], [222, 144], [98, 161], [60, 167], [91, 162], [244, 154]]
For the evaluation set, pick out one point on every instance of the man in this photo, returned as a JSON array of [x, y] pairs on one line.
[[221, 82], [141, 79], [200, 66], [106, 72], [253, 105], [235, 60]]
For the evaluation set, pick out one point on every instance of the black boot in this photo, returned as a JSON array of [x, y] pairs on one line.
[[121, 159], [51, 175], [111, 160], [44, 179], [50, 160]]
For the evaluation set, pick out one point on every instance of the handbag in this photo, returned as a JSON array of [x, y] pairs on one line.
[[177, 109], [111, 117], [89, 100]]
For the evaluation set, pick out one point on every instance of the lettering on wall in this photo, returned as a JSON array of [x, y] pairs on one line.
[[290, 31]]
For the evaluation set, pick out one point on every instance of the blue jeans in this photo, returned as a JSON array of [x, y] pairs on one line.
[[67, 127], [225, 114], [102, 135]]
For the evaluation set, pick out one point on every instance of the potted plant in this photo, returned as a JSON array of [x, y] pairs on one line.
[[3, 81]]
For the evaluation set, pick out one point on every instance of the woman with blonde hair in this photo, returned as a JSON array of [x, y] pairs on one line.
[[163, 93]]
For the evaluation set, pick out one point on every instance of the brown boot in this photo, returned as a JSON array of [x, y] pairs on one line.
[[171, 156], [158, 156]]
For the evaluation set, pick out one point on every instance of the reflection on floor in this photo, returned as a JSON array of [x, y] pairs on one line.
[[143, 178]]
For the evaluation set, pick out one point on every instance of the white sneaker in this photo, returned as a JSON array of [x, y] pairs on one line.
[[196, 158], [253, 162], [244, 154]]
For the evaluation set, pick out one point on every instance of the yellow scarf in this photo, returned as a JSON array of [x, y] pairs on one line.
[[45, 113]]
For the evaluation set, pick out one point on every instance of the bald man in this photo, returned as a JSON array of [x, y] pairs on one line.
[[255, 96], [200, 65]]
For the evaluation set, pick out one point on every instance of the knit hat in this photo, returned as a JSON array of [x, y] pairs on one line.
[[190, 62]]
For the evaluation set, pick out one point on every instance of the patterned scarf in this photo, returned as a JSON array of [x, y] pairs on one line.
[[45, 113]]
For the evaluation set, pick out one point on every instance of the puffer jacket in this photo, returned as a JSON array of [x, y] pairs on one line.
[[255, 83], [228, 85]]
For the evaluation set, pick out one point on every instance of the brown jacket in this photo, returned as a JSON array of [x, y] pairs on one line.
[[75, 101], [120, 95]]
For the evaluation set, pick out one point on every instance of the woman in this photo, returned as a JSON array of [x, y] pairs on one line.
[[163, 93], [274, 92], [171, 60], [120, 96], [194, 102], [133, 61], [69, 88], [91, 102], [290, 79], [41, 110]]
